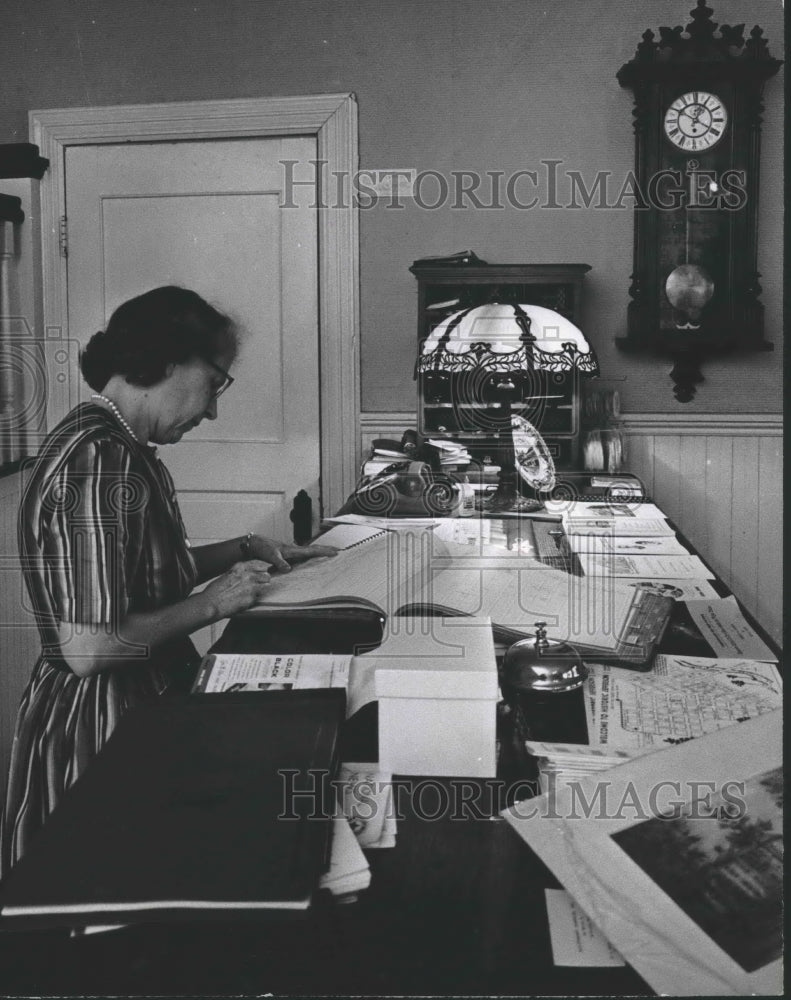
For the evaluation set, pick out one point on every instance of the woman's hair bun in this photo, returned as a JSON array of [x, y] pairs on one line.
[[95, 362]]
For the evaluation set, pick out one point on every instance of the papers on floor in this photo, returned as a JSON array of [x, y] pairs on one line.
[[271, 672], [724, 628], [575, 938], [681, 698]]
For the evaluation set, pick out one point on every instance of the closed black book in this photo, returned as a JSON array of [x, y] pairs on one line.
[[202, 806]]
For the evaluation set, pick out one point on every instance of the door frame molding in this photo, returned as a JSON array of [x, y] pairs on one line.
[[332, 120]]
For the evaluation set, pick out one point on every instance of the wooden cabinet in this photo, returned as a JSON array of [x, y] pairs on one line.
[[475, 412]]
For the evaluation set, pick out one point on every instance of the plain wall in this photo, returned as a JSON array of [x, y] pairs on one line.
[[444, 85]]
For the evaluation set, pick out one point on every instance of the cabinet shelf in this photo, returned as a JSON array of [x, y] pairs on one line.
[[445, 407]]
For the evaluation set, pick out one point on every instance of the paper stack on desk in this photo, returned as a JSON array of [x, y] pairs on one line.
[[565, 763]]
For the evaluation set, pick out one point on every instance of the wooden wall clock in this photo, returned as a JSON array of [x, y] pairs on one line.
[[697, 121]]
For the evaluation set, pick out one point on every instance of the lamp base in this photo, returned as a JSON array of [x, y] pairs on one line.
[[507, 498]]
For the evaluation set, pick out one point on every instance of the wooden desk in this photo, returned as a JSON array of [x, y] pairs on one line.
[[457, 907]]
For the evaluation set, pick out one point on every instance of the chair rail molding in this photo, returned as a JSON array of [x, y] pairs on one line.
[[332, 119], [722, 424]]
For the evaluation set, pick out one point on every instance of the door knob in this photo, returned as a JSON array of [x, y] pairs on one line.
[[301, 517]]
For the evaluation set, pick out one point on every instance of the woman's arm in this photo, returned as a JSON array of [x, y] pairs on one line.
[[211, 560], [88, 649]]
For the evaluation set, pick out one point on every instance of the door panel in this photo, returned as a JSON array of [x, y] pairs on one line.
[[206, 215]]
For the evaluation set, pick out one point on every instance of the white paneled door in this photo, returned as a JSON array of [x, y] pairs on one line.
[[207, 215]]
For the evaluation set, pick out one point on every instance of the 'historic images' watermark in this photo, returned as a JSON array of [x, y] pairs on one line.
[[552, 185]]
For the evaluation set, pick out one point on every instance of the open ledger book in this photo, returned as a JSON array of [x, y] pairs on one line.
[[429, 570]]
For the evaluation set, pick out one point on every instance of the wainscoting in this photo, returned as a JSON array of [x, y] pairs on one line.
[[720, 478]]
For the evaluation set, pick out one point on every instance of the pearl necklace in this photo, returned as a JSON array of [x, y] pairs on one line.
[[114, 409]]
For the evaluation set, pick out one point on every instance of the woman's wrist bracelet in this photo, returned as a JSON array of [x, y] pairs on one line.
[[246, 546]]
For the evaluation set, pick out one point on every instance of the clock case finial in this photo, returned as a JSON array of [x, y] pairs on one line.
[[686, 58]]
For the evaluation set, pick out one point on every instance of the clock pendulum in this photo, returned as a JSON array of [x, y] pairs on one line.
[[689, 287]]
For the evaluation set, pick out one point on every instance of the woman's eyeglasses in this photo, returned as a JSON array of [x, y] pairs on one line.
[[227, 380]]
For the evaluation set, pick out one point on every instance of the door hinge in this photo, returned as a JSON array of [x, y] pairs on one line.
[[63, 236]]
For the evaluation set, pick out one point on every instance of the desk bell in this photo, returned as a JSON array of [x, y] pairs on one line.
[[538, 666]]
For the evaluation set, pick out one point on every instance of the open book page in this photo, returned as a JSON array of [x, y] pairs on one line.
[[382, 572], [271, 672], [579, 610]]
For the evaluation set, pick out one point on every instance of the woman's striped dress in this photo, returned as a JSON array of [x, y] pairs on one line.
[[100, 536]]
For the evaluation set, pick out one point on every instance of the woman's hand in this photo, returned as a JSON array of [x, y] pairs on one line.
[[242, 586], [280, 555]]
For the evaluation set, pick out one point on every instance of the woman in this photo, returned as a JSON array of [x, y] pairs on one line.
[[107, 564]]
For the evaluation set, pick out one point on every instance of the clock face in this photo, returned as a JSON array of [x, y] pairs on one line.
[[695, 121]]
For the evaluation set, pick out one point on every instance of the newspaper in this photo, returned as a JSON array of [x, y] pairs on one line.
[[271, 672], [681, 698]]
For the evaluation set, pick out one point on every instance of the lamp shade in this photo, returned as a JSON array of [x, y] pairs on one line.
[[507, 338]]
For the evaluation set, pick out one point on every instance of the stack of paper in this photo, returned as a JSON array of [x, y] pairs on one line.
[[383, 453], [634, 543], [620, 486], [562, 763], [452, 454]]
